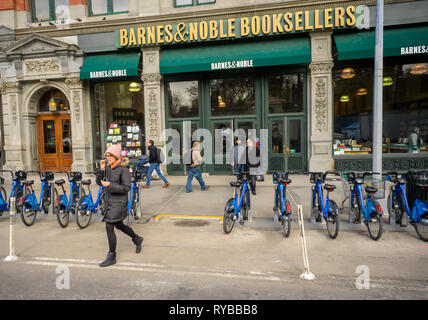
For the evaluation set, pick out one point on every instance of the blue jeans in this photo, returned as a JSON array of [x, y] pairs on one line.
[[240, 169], [194, 173], [154, 166]]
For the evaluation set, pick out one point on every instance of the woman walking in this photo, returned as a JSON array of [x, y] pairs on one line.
[[116, 180]]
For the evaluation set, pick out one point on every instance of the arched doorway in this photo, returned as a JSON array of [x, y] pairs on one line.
[[54, 130]]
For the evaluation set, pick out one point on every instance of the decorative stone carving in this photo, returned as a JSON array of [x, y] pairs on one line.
[[321, 111], [13, 108], [76, 104], [39, 66], [321, 67], [75, 83], [7, 87], [151, 78], [153, 114]]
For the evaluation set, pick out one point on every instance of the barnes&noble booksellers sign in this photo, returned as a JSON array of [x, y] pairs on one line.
[[235, 28]]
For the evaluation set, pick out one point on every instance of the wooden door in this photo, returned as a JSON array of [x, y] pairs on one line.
[[55, 142]]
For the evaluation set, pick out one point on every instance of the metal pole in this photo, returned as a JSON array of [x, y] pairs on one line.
[[306, 275], [377, 92], [11, 256]]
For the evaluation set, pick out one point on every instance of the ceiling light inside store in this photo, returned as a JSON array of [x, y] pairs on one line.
[[361, 92], [134, 87], [418, 68], [347, 73], [52, 103], [344, 98], [221, 103], [387, 81]]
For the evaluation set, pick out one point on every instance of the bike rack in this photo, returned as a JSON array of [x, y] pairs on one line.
[[11, 256]]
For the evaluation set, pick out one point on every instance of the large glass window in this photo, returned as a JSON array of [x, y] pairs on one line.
[[53, 101], [185, 3], [103, 7], [232, 96], [286, 93], [119, 118], [183, 99], [44, 10], [405, 108]]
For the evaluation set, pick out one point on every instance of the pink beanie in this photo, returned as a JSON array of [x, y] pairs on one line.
[[115, 150]]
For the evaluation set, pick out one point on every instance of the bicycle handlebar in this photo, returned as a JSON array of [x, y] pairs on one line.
[[91, 172]]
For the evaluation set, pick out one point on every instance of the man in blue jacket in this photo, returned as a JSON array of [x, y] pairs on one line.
[[154, 165]]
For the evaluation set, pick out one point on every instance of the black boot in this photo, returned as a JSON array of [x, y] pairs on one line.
[[110, 260], [138, 241]]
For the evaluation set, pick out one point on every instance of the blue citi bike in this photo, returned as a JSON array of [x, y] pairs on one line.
[[87, 206], [282, 208], [17, 190], [64, 205], [239, 205], [29, 204], [328, 209], [134, 207], [371, 210], [399, 205]]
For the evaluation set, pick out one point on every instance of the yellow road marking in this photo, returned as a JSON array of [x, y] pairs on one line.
[[186, 217]]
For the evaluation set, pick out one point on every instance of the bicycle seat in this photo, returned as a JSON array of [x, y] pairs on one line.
[[86, 182], [371, 189], [284, 181], [359, 181], [59, 182], [235, 184], [28, 183], [329, 187]]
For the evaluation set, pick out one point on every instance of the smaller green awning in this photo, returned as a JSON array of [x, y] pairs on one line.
[[236, 55], [114, 65], [396, 42]]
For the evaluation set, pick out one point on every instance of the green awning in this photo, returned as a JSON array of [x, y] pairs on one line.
[[114, 65], [396, 42], [236, 56]]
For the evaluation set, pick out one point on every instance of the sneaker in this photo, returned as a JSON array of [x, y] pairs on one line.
[[138, 241], [166, 185], [110, 260], [206, 188], [145, 187]]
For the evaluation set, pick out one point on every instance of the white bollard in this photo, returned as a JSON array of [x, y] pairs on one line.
[[306, 275], [11, 256]]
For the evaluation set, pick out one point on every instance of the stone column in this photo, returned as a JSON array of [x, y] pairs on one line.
[[11, 94], [320, 115], [81, 126], [154, 118]]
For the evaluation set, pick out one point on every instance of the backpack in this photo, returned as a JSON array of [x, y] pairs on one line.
[[160, 156]]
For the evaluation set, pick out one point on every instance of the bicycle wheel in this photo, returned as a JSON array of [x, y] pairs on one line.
[[62, 216], [332, 220], [355, 210], [46, 200], [375, 225], [229, 216], [83, 213], [28, 215], [136, 205], [3, 193], [422, 227], [316, 210], [18, 195]]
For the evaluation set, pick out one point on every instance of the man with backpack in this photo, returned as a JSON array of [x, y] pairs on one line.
[[155, 157], [193, 160]]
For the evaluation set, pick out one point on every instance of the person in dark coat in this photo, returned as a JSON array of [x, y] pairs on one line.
[[154, 165], [116, 180], [251, 160]]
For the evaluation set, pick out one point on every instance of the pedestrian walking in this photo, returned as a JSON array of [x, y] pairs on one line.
[[261, 176], [154, 160], [251, 158], [193, 160], [235, 155], [114, 176]]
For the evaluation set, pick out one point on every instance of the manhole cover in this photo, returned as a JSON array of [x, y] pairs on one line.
[[191, 223]]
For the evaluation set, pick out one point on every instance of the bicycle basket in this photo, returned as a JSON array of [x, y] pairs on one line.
[[75, 176], [22, 175], [48, 176], [377, 183]]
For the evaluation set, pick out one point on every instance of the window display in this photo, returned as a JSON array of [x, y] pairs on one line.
[[405, 108], [119, 118]]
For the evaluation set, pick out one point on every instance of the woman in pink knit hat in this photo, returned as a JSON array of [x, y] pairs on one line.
[[116, 180]]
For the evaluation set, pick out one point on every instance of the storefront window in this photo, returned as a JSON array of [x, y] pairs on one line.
[[53, 101], [232, 96], [119, 119], [405, 108], [99, 7], [286, 93], [183, 99], [44, 10]]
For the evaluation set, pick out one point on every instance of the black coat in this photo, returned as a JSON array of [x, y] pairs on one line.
[[250, 158], [116, 195], [153, 155]]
